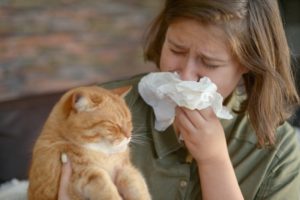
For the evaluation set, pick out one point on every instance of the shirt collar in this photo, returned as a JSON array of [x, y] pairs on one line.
[[239, 126]]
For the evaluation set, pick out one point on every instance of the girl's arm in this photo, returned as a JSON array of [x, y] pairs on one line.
[[205, 139]]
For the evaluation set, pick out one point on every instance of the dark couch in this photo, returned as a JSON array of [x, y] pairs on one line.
[[21, 121]]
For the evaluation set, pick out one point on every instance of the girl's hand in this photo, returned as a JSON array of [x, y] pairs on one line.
[[66, 172], [202, 133]]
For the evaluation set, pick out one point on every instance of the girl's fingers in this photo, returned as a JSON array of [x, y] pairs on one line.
[[198, 118], [66, 172], [183, 120], [207, 113]]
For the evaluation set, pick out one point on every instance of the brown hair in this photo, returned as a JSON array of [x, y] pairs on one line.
[[256, 35]]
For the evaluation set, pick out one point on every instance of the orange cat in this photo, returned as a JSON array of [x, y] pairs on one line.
[[93, 127]]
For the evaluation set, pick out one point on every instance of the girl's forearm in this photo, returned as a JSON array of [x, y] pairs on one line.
[[218, 180]]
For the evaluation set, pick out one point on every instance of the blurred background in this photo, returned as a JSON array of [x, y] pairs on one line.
[[51, 45], [47, 46]]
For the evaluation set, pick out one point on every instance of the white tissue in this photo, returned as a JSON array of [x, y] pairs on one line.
[[164, 91]]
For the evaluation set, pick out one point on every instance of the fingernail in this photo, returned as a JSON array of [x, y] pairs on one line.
[[180, 138], [64, 158]]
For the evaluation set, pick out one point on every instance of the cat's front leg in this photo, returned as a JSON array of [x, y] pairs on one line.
[[96, 184], [131, 184]]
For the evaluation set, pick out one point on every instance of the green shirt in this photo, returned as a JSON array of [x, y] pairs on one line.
[[261, 173]]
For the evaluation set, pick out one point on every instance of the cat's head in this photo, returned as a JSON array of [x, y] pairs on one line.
[[97, 118]]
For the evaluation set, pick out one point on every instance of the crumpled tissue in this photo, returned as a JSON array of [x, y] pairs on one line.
[[163, 91]]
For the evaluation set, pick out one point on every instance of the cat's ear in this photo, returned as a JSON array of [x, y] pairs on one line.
[[122, 91], [80, 102]]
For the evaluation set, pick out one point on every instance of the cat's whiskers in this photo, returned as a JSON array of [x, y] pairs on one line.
[[138, 142], [140, 128], [140, 139]]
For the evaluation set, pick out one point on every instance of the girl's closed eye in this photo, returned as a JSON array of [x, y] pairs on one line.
[[211, 66], [177, 52]]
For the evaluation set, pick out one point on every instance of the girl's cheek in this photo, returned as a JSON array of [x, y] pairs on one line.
[[169, 63]]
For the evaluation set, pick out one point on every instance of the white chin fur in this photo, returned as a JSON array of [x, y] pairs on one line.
[[105, 147]]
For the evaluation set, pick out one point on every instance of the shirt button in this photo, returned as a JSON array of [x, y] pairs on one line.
[[183, 184]]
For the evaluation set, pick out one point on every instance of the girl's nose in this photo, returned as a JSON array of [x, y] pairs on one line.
[[189, 71]]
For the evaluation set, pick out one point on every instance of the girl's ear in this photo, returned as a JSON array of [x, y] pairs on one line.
[[244, 70], [122, 91]]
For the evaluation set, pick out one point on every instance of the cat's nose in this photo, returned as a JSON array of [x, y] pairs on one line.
[[127, 134]]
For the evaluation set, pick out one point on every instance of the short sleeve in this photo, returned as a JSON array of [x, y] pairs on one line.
[[283, 177]]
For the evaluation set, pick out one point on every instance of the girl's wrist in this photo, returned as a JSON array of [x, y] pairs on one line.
[[221, 159]]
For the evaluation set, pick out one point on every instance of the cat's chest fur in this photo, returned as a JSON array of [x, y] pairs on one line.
[[106, 148], [84, 157]]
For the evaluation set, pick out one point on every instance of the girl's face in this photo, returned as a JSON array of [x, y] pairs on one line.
[[194, 50]]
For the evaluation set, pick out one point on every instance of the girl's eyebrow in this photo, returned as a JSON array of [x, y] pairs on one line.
[[204, 56], [175, 44], [211, 58]]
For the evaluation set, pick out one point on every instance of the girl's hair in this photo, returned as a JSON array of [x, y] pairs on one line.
[[257, 39]]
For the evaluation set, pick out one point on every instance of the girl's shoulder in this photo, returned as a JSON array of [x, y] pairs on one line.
[[132, 80]]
